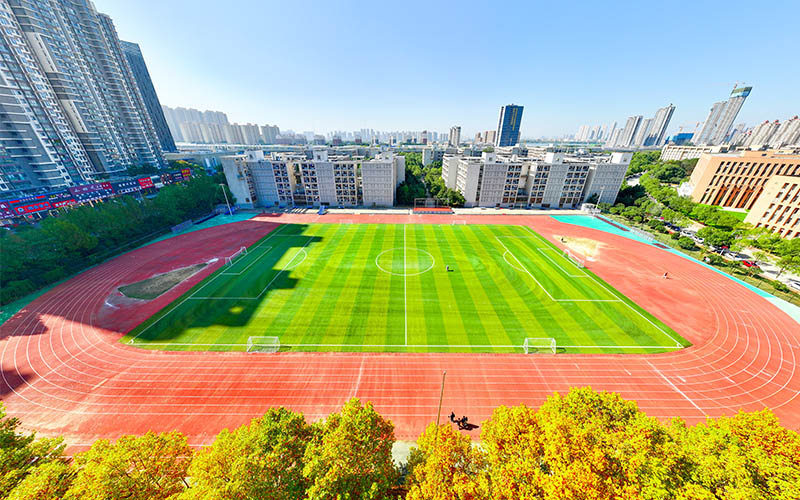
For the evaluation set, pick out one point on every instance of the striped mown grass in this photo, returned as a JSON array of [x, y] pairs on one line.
[[370, 287]]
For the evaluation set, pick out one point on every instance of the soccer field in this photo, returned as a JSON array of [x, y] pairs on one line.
[[379, 287]]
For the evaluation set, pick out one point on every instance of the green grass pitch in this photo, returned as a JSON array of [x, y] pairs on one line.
[[371, 287]]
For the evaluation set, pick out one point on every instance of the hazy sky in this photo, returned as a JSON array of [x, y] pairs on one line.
[[416, 65]]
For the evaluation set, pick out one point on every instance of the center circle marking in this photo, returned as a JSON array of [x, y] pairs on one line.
[[407, 250]]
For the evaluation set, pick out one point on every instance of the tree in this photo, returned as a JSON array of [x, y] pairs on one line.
[[747, 456], [642, 161], [686, 243], [629, 194], [149, 467], [634, 213], [668, 172], [716, 237], [586, 444], [788, 255], [351, 457], [593, 199], [48, 481], [445, 466], [514, 444], [21, 454], [262, 460]]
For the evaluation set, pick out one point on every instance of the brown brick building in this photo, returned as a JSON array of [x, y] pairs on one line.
[[778, 207], [737, 180]]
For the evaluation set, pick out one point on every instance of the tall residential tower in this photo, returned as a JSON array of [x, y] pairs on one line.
[[133, 53], [70, 106], [508, 125], [720, 118]]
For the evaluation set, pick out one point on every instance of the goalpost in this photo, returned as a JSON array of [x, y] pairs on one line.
[[648, 237], [229, 260], [574, 258], [535, 345], [263, 344], [459, 223]]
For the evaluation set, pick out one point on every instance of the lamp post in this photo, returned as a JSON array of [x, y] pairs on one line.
[[226, 199]]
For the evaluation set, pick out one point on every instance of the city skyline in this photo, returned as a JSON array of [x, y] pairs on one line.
[[423, 91]]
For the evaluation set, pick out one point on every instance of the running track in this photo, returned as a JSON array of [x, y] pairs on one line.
[[63, 371]]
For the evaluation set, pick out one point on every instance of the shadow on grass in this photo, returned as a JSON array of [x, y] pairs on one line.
[[232, 294]]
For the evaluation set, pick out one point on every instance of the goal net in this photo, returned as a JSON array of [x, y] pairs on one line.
[[643, 234], [263, 344], [537, 345], [574, 258], [459, 223], [229, 260]]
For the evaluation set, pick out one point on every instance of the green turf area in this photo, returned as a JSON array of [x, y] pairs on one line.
[[370, 287]]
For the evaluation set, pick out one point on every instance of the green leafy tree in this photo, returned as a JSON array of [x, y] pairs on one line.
[[668, 172], [262, 460], [445, 466], [643, 161], [21, 454], [149, 467], [788, 252], [686, 243], [351, 458], [716, 237]]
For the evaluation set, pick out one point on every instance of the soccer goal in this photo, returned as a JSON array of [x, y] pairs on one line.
[[459, 223], [574, 258], [648, 237], [537, 345], [263, 344], [229, 260]]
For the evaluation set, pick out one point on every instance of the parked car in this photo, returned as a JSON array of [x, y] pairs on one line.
[[750, 263]]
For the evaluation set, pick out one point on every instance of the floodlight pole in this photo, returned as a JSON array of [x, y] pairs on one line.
[[226, 199], [439, 412]]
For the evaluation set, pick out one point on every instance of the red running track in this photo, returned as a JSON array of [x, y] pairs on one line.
[[64, 371]]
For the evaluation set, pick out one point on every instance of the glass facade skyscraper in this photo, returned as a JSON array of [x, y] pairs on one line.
[[508, 126]]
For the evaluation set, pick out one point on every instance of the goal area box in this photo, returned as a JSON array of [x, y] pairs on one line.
[[533, 345], [263, 344]]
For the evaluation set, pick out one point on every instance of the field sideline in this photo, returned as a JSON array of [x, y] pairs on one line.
[[385, 287]]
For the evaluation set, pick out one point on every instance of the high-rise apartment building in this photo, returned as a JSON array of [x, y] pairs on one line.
[[658, 130], [788, 134], [627, 135], [641, 133], [192, 125], [729, 114], [508, 126], [762, 134], [77, 111], [720, 118], [133, 53], [455, 136]]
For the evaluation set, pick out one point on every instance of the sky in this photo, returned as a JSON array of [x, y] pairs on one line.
[[417, 65]]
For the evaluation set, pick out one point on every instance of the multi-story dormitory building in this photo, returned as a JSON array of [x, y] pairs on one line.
[[551, 181], [70, 108], [288, 179]]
